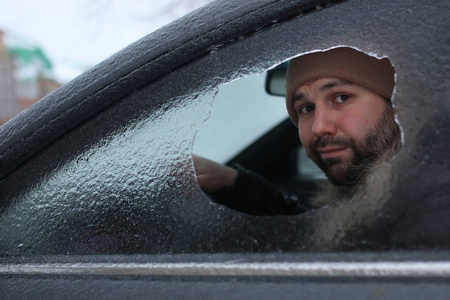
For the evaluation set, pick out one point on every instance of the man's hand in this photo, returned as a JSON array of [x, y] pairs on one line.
[[212, 176]]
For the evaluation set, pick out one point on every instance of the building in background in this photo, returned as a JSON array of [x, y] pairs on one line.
[[25, 76]]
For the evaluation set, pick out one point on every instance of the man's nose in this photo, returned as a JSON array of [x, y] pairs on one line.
[[323, 123]]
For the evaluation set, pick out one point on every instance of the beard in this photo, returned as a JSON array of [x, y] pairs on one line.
[[381, 142]]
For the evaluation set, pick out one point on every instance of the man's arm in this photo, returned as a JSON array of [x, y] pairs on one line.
[[245, 191]]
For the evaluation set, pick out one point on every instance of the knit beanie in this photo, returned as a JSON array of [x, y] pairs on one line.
[[376, 75]]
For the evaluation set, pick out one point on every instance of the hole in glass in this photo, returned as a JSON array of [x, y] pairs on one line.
[[349, 119], [242, 112]]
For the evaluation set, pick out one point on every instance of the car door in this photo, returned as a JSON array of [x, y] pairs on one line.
[[102, 167]]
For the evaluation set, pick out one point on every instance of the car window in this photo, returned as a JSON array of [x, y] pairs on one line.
[[102, 169], [122, 181]]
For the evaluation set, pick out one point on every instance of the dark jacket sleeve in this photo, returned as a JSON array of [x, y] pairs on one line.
[[254, 195]]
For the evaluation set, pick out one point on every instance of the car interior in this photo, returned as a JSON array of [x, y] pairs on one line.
[[277, 154]]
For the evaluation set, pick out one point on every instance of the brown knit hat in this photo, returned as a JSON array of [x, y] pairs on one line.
[[376, 75]]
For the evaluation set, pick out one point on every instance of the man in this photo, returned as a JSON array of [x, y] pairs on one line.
[[340, 101]]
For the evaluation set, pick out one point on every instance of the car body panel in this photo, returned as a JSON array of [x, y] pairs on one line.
[[107, 170]]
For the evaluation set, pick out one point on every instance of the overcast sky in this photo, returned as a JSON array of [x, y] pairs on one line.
[[77, 34]]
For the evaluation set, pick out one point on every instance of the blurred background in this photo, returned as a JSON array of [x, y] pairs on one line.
[[44, 44]]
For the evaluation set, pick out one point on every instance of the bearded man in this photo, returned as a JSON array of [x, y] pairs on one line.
[[340, 101]]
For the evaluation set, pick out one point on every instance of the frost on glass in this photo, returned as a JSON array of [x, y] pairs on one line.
[[111, 197]]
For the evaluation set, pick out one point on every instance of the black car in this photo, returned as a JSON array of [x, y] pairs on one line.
[[98, 192]]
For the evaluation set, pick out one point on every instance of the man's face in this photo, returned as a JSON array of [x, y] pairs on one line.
[[343, 127]]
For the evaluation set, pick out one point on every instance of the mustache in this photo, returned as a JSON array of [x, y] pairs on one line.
[[322, 142]]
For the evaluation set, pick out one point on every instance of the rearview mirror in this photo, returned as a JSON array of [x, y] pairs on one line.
[[276, 80]]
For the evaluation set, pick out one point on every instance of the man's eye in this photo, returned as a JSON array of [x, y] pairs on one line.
[[341, 98], [306, 109]]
